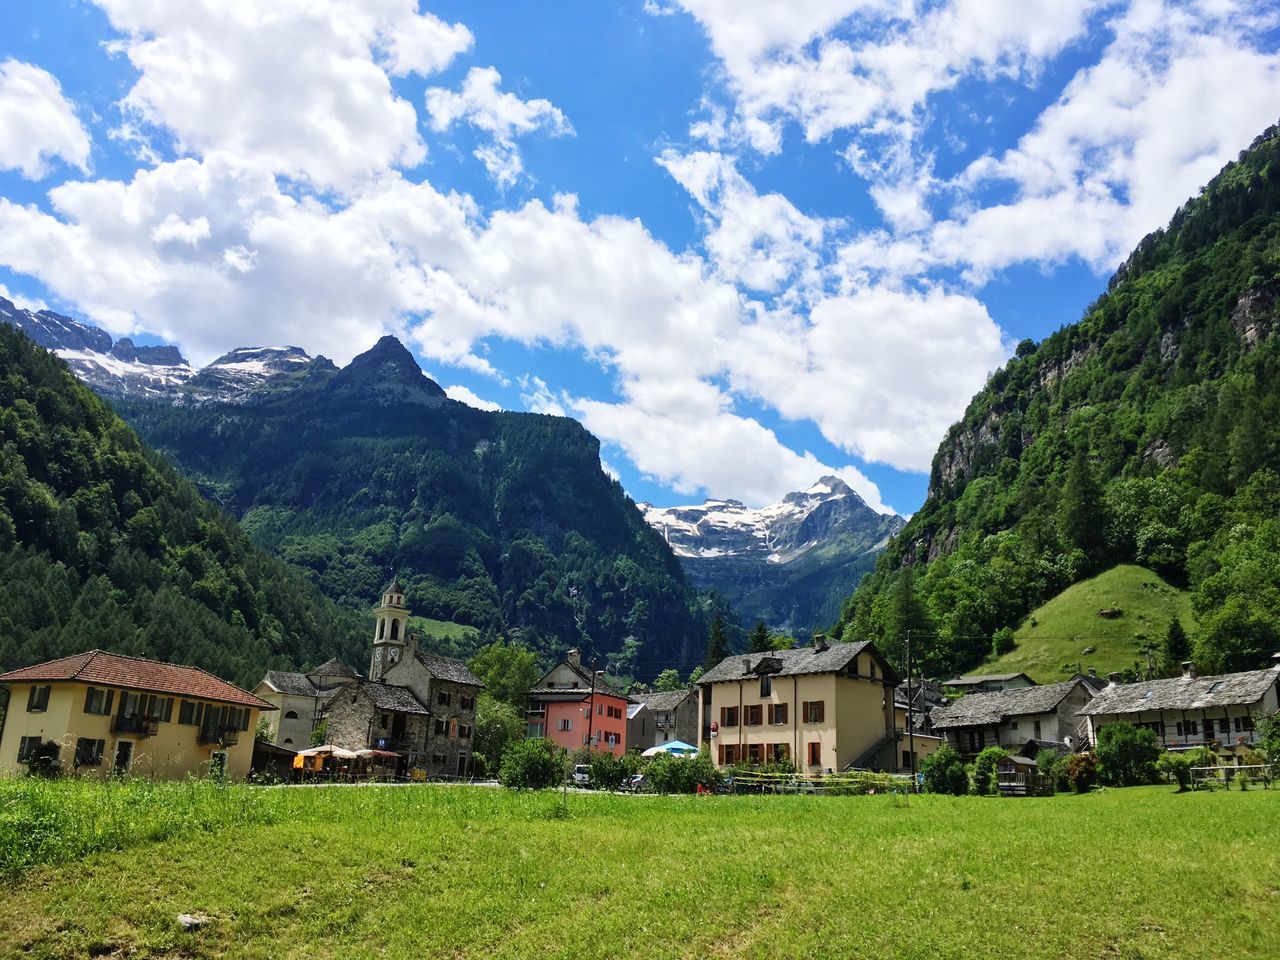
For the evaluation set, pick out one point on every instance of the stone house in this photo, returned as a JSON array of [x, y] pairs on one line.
[[299, 699], [989, 683], [657, 718], [1011, 718]]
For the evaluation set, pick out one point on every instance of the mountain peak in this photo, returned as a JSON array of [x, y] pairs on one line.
[[388, 372]]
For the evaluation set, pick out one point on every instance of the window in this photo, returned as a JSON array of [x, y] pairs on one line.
[[755, 715], [383, 720], [159, 708], [289, 715], [533, 731], [815, 753], [89, 752], [1246, 723], [873, 669], [442, 726], [1037, 729], [780, 752], [777, 713], [815, 711], [728, 754], [437, 758], [728, 716], [755, 752], [27, 748], [38, 699], [444, 697], [975, 741], [564, 723], [464, 730], [599, 709], [1013, 724], [766, 685], [468, 703], [98, 701], [1224, 725], [190, 713]]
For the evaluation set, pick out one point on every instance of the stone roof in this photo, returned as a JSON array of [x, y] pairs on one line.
[[387, 696], [985, 709], [662, 701], [334, 668], [984, 678], [797, 661], [292, 684], [580, 693], [447, 668], [136, 673], [1184, 693]]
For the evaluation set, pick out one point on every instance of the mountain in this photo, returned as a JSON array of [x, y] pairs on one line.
[[121, 369], [788, 564], [501, 522], [103, 544], [1147, 433]]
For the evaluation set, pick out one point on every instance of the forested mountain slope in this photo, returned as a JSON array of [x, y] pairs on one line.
[[504, 522], [103, 544], [1148, 432]]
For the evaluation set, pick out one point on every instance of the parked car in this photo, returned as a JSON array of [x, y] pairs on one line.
[[581, 775], [636, 783]]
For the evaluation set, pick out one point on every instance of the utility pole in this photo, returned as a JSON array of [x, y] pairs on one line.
[[591, 704], [911, 716]]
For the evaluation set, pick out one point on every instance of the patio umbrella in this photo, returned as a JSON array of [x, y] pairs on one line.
[[677, 747], [328, 749]]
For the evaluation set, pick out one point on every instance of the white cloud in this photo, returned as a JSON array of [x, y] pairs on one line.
[[298, 87], [37, 123], [538, 398], [175, 229], [34, 304], [503, 116], [470, 398]]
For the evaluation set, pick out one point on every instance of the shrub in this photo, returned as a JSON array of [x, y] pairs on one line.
[[1126, 755], [1081, 772], [1002, 641], [1176, 768], [984, 770], [1046, 761], [943, 772], [607, 771], [668, 773], [531, 765]]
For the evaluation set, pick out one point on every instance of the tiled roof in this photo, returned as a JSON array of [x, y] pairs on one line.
[[662, 701], [292, 684], [387, 696], [447, 668], [135, 673], [1183, 693], [982, 709], [795, 662]]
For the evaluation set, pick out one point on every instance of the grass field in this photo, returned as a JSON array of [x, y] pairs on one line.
[[473, 872], [1052, 641]]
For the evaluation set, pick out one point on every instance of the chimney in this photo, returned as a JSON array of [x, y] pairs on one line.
[[819, 642], [413, 643], [1113, 679], [1188, 669], [746, 664], [574, 657]]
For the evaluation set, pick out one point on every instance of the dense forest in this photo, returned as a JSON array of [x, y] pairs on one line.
[[103, 544], [501, 522], [1148, 432]]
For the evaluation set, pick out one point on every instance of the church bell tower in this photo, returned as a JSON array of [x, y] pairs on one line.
[[391, 618]]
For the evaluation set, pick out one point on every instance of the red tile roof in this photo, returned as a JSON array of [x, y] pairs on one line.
[[117, 670]]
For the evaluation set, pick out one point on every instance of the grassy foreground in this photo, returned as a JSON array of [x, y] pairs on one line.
[[473, 872], [1052, 640]]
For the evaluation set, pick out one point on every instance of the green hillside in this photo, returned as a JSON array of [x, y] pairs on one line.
[[1146, 433], [103, 544], [1067, 635]]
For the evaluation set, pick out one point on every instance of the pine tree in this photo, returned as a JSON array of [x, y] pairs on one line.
[[1177, 648], [1082, 516], [717, 643], [759, 641]]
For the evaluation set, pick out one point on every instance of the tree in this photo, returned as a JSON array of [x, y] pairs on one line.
[[906, 614], [1176, 767], [319, 732], [717, 643], [498, 725], [607, 771], [532, 765], [1081, 772], [759, 641], [668, 680], [984, 769], [1269, 738], [1082, 515], [943, 772], [1003, 642], [508, 671], [1177, 649], [1126, 755]]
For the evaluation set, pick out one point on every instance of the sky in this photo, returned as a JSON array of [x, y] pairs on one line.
[[746, 243]]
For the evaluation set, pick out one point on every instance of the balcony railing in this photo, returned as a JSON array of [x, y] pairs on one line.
[[223, 735], [136, 724]]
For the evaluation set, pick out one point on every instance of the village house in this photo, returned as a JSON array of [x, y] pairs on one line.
[[657, 718], [575, 709], [299, 698], [989, 683], [98, 714], [415, 704], [826, 707], [1011, 718], [923, 741], [1192, 711]]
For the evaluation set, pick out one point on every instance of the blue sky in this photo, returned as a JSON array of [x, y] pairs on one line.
[[746, 243]]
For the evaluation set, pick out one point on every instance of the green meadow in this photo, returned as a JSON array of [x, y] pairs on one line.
[[462, 872]]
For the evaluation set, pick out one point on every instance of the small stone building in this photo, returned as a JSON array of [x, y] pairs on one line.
[[1010, 718], [657, 718], [300, 698]]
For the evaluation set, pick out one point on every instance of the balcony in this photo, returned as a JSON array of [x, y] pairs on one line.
[[224, 736], [136, 724]]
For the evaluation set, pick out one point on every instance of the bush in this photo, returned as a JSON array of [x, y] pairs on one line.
[[984, 770], [531, 765], [943, 772], [1081, 772], [1176, 768], [1126, 755], [1003, 642], [1046, 764], [607, 771], [668, 773]]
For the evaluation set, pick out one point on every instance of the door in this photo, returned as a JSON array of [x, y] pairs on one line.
[[397, 729], [462, 765], [124, 757]]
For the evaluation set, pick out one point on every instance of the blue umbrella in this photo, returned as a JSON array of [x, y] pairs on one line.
[[678, 747]]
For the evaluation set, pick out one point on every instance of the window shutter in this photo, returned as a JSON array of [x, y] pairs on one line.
[[771, 713], [722, 715], [106, 707], [88, 700], [31, 698], [168, 709]]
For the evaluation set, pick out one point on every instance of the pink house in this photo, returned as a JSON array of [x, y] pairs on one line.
[[571, 710]]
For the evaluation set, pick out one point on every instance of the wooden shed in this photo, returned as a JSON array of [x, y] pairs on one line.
[[1018, 777]]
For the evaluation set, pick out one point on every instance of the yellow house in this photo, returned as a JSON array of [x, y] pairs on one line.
[[100, 713], [824, 707]]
